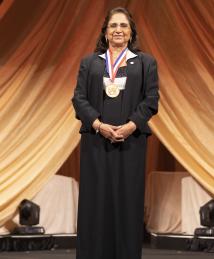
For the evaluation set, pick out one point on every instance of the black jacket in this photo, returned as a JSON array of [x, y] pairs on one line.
[[140, 100]]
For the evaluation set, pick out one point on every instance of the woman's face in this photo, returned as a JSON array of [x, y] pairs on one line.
[[118, 30]]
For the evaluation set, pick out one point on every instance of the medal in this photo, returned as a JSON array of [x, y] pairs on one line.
[[112, 90]]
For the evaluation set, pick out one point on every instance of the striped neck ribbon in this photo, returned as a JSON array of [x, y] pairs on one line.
[[113, 67]]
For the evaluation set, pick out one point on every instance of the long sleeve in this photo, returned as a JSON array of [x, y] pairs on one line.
[[84, 110], [149, 105]]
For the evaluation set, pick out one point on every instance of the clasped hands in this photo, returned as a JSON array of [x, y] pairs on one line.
[[115, 133]]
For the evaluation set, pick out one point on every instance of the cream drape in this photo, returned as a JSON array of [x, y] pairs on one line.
[[41, 44]]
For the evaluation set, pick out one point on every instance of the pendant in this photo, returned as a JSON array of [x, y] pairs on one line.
[[112, 90]]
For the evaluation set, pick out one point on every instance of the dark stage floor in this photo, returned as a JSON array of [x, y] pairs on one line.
[[70, 254]]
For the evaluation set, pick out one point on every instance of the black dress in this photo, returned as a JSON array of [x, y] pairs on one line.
[[111, 193]]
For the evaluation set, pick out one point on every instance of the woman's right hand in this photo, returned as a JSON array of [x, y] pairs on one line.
[[109, 131]]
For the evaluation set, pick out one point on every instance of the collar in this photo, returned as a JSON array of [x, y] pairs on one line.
[[129, 55]]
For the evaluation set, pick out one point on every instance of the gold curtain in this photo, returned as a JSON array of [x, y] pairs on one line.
[[41, 44], [180, 35]]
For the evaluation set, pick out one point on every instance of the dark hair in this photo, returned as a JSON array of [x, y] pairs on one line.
[[102, 44]]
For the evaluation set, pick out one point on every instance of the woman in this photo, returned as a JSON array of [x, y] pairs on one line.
[[115, 96]]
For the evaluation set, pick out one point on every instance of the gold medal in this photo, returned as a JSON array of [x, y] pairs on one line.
[[112, 90]]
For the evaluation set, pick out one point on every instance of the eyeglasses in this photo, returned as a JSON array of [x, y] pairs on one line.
[[115, 25]]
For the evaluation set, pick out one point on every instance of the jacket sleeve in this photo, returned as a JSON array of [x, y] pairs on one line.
[[84, 110], [149, 105]]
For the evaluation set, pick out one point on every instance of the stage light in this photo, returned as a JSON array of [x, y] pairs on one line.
[[29, 213], [206, 220], [207, 214]]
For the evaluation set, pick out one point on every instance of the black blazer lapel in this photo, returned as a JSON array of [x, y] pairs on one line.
[[97, 68], [133, 88]]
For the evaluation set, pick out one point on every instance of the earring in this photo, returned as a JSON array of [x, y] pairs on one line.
[[106, 39]]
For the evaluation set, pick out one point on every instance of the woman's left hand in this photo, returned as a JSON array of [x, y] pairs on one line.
[[126, 129]]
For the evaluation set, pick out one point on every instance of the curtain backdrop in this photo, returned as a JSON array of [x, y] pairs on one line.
[[41, 44]]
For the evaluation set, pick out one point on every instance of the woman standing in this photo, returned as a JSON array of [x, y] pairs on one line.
[[115, 96]]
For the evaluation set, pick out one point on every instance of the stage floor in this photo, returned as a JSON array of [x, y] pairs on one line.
[[70, 254]]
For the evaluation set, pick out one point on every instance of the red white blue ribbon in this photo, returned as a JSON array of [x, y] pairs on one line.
[[113, 67]]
